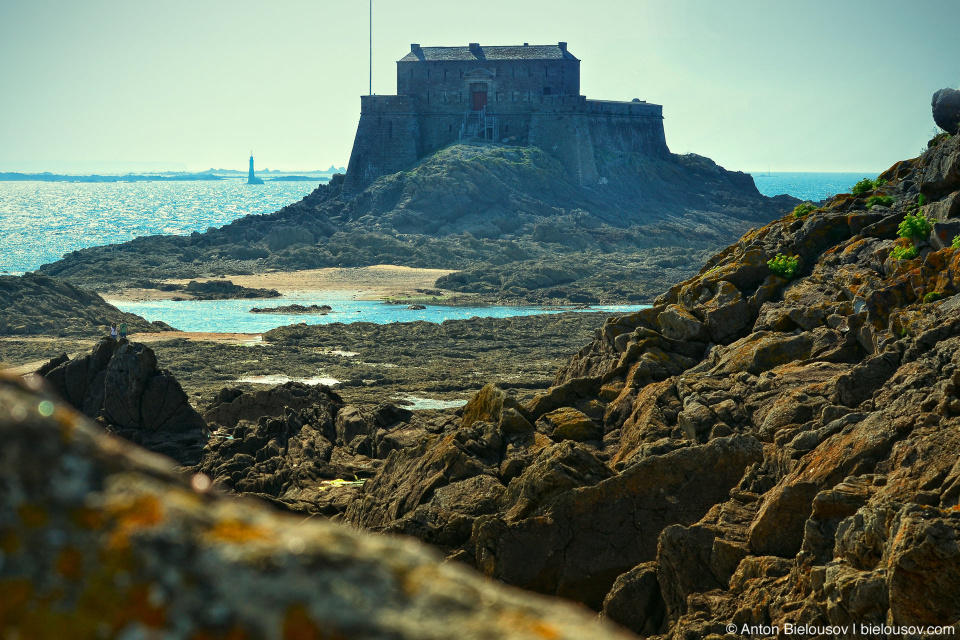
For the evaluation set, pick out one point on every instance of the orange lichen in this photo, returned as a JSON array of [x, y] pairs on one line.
[[140, 513], [138, 608], [531, 626], [86, 518], [14, 595], [237, 531], [297, 625], [70, 563], [32, 516], [236, 633], [9, 542]]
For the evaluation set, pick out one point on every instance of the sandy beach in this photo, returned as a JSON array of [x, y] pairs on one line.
[[370, 283]]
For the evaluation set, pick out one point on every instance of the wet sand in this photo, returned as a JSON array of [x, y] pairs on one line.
[[370, 283]]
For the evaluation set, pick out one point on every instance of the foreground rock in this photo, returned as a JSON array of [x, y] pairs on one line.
[[33, 304], [101, 540], [120, 385]]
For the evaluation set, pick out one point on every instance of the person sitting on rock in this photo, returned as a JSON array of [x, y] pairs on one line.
[[123, 329], [113, 330]]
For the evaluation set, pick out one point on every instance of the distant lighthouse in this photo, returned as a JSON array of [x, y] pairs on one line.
[[251, 177]]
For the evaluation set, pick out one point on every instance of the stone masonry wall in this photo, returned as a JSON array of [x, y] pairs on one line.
[[446, 86], [387, 141]]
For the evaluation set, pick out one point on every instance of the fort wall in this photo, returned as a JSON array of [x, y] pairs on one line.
[[536, 102], [387, 141]]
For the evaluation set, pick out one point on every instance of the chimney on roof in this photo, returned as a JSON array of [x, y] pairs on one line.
[[414, 48], [474, 46], [563, 46], [526, 44]]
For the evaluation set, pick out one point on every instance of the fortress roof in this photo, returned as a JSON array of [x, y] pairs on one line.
[[475, 52]]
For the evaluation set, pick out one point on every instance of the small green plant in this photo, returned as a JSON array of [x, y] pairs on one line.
[[933, 296], [937, 139], [956, 242], [905, 253], [862, 187], [922, 200], [803, 209], [784, 266], [916, 227], [885, 201]]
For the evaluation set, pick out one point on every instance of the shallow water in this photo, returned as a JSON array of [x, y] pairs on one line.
[[808, 186], [233, 316], [41, 221]]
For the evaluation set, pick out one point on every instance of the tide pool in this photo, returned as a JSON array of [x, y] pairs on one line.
[[233, 316]]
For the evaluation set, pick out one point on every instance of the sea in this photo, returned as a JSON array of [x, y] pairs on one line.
[[42, 221]]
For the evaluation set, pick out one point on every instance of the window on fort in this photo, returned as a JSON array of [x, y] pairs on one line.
[[449, 128], [506, 128], [546, 91], [390, 130]]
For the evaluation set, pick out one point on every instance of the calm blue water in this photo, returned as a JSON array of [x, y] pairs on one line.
[[41, 221], [233, 316], [808, 186]]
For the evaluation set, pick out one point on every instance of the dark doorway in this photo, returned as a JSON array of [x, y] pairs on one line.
[[479, 100]]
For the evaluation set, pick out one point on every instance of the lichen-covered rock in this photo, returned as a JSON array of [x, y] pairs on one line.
[[567, 423], [101, 540], [493, 404]]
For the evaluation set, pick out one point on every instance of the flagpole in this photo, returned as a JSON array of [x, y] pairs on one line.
[[370, 89]]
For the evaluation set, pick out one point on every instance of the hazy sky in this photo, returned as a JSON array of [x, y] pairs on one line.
[[805, 86]]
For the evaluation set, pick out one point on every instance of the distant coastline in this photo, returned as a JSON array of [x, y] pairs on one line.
[[165, 177]]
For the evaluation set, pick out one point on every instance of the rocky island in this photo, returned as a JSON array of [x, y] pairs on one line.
[[537, 195]]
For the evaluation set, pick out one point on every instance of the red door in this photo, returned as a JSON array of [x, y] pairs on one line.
[[479, 100]]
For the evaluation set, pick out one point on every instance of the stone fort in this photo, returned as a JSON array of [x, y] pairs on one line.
[[523, 95]]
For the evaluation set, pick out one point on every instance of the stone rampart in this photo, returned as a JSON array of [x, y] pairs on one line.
[[387, 141]]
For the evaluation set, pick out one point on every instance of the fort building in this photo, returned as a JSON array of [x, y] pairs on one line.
[[523, 95]]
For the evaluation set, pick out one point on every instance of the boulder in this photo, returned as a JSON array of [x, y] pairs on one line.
[[634, 601], [282, 237], [568, 424], [577, 543], [946, 110], [120, 385], [493, 404], [677, 323], [233, 405]]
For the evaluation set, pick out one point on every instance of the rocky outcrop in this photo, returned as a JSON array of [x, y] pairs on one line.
[[946, 110], [34, 304], [769, 448], [225, 290], [298, 446], [101, 540], [120, 385]]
